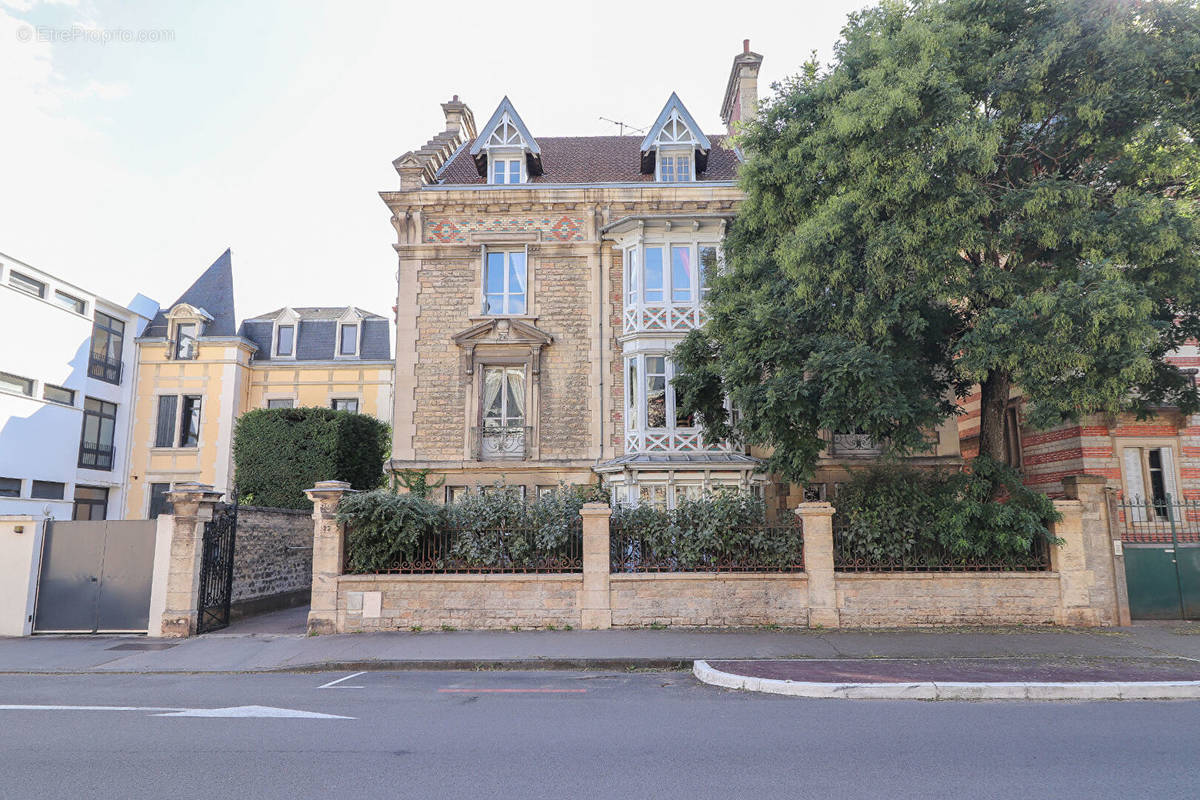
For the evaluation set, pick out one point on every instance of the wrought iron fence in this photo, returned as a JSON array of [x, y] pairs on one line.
[[851, 555], [471, 549], [1158, 519], [744, 548]]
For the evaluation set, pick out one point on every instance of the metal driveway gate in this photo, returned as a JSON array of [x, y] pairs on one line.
[[95, 577], [1161, 540], [216, 569]]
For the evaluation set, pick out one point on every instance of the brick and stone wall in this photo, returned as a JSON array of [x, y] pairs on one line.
[[272, 564]]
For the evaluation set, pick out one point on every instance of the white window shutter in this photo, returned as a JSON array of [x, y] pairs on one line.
[[1134, 483], [1168, 465]]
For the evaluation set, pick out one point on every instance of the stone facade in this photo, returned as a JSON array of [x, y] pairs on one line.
[[272, 565]]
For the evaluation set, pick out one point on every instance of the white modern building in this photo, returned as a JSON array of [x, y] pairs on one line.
[[66, 387]]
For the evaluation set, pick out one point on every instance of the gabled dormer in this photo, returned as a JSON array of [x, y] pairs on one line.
[[675, 149], [505, 151], [186, 323], [349, 334], [284, 336]]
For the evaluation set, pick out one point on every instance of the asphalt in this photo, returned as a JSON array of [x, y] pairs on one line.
[[276, 642], [564, 734]]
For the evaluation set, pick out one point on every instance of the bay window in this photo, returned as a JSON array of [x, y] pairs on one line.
[[674, 274], [652, 404], [504, 282]]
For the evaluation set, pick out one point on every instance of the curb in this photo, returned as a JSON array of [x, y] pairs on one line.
[[928, 690], [409, 665]]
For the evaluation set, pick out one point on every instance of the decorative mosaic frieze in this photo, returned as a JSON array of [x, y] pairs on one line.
[[458, 231]]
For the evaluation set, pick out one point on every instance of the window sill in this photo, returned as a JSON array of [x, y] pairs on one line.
[[485, 317], [185, 449]]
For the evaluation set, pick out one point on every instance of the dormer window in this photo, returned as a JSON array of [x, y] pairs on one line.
[[505, 152], [674, 167], [348, 340], [675, 150], [186, 346], [506, 169], [285, 340]]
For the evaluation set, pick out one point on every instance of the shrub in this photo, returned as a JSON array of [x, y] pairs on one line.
[[383, 528], [280, 452], [499, 529], [890, 513], [720, 529]]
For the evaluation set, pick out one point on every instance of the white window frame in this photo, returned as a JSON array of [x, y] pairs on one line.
[[508, 160], [277, 398], [640, 393], [673, 156], [1136, 482], [634, 279], [275, 330], [357, 325], [506, 294]]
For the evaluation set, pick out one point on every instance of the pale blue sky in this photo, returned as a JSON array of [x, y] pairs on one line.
[[270, 127]]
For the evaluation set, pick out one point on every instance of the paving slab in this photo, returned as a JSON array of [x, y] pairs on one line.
[[260, 646]]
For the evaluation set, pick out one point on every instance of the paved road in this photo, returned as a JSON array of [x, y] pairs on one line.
[[569, 735]]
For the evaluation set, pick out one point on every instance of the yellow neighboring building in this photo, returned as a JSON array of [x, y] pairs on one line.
[[198, 371]]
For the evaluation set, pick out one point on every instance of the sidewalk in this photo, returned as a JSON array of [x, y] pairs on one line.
[[259, 645]]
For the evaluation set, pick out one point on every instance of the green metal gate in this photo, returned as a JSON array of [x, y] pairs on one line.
[[1161, 540]]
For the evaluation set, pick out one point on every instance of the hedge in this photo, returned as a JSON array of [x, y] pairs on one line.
[[899, 514], [280, 452]]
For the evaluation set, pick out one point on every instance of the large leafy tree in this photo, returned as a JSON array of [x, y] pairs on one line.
[[999, 193]]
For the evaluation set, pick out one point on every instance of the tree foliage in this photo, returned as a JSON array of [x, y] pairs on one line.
[[280, 452], [1001, 193]]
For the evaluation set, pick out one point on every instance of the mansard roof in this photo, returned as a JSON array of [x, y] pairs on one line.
[[594, 159]]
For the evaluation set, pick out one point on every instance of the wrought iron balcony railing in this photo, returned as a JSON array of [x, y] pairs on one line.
[[501, 443], [96, 456], [104, 368]]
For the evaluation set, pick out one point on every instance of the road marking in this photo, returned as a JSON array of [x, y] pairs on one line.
[[261, 712], [513, 691], [334, 684]]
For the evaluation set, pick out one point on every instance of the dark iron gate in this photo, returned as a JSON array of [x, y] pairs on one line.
[[216, 569], [1161, 540]]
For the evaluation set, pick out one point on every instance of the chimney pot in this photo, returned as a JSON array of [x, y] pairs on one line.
[[745, 49]]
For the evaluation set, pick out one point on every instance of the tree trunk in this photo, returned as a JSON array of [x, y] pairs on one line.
[[992, 404]]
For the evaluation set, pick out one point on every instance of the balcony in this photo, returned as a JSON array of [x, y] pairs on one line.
[[663, 318], [511, 443], [854, 445], [104, 368]]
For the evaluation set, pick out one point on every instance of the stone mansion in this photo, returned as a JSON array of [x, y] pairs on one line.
[[543, 283]]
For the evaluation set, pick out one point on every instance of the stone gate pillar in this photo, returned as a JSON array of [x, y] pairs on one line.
[[193, 505], [329, 554]]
